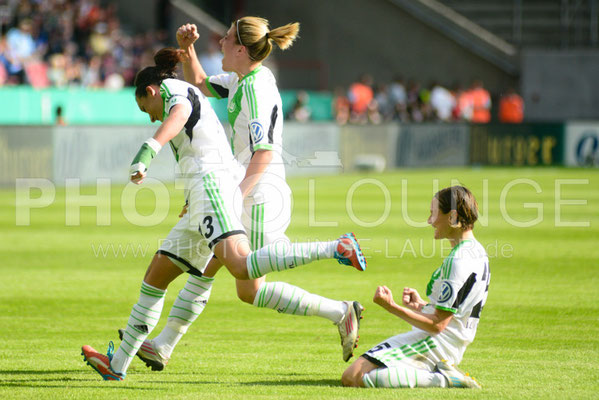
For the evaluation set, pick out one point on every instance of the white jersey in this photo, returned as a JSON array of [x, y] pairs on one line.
[[255, 114], [201, 147], [460, 285]]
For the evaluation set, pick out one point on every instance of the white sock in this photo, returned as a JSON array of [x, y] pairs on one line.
[[403, 377], [289, 299], [284, 255], [187, 308], [144, 317]]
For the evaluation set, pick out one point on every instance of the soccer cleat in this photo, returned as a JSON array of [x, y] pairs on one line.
[[101, 362], [349, 253], [148, 354], [455, 377], [348, 328]]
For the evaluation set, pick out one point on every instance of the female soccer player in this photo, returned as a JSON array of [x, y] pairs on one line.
[[256, 117], [212, 224], [442, 327]]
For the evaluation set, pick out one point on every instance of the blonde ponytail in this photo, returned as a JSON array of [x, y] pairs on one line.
[[254, 34], [285, 35]]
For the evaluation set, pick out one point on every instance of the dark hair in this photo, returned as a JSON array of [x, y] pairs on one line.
[[166, 63], [461, 200]]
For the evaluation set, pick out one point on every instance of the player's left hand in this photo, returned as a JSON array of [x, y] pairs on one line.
[[184, 210], [383, 297], [411, 298]]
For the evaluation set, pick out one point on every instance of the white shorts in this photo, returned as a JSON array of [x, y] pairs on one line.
[[415, 348], [214, 213], [266, 216]]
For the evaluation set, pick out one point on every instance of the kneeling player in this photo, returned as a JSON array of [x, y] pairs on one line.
[[442, 328]]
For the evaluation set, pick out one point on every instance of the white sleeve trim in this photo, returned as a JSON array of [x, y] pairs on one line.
[[154, 144]]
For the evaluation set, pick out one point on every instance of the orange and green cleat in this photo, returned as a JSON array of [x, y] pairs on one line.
[[349, 253], [101, 362]]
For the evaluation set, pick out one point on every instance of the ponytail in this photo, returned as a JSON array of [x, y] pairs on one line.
[[166, 63], [285, 35], [254, 34]]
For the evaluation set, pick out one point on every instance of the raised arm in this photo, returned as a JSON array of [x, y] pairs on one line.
[[431, 323], [192, 69]]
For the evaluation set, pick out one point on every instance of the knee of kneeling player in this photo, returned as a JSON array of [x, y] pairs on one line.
[[351, 378]]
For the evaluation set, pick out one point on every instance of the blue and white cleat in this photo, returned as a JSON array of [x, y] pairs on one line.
[[349, 253], [455, 377], [101, 362]]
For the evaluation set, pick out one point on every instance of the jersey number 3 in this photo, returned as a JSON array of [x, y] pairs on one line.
[[208, 228]]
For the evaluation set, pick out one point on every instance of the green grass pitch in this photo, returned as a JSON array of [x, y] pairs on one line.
[[538, 336]]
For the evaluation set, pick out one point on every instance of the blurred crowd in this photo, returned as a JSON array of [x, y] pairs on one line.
[[65, 43], [408, 101], [70, 43]]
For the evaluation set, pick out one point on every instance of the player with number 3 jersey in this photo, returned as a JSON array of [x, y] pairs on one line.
[[212, 224], [255, 115]]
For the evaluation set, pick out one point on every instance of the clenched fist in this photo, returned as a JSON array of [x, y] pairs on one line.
[[383, 297], [187, 35]]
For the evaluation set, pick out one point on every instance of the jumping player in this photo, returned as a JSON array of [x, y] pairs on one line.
[[256, 118], [212, 225]]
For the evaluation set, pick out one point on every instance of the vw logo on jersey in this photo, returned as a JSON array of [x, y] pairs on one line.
[[257, 131], [231, 107], [446, 292]]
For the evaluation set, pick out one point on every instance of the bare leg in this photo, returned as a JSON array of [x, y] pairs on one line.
[[232, 252], [161, 272], [214, 265], [353, 375], [247, 289]]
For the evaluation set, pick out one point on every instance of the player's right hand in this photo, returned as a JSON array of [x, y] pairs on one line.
[[383, 297], [137, 172], [138, 177], [187, 35]]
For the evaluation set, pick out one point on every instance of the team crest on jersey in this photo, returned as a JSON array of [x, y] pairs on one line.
[[231, 107], [446, 292], [257, 131]]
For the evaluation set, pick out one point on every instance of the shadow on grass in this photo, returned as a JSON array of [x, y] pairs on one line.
[[29, 384], [289, 382], [296, 382], [39, 372], [38, 379]]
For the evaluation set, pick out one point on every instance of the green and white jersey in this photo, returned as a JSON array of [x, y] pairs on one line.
[[256, 117], [201, 147], [460, 285]]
